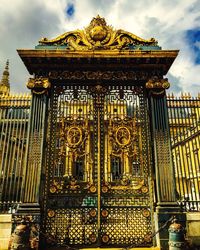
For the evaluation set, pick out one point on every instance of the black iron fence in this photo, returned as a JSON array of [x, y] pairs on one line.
[[184, 119], [14, 116]]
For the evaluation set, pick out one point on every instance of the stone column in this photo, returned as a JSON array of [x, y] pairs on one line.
[[166, 198], [29, 210], [165, 178]]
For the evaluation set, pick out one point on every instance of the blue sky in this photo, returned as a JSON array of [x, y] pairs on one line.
[[175, 24], [193, 39], [70, 10]]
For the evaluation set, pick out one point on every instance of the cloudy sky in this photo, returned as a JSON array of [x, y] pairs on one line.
[[174, 23]]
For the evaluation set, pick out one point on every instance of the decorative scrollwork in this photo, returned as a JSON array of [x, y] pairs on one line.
[[98, 35], [98, 89], [56, 186], [73, 185], [100, 75], [74, 132], [123, 136], [74, 136]]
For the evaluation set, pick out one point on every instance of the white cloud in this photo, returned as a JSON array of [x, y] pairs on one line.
[[23, 23]]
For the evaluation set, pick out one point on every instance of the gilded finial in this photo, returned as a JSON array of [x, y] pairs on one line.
[[182, 95], [5, 77], [4, 84]]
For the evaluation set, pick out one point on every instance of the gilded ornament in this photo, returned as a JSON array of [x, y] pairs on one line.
[[148, 238], [39, 85], [93, 212], [92, 189], [93, 238], [137, 184], [105, 189], [123, 136], [157, 83], [31, 83], [104, 213], [98, 35], [105, 238], [144, 189], [51, 213], [73, 185], [56, 187], [53, 189], [100, 75], [125, 180], [98, 89], [74, 136], [146, 213]]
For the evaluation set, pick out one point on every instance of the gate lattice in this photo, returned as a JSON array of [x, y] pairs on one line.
[[98, 187]]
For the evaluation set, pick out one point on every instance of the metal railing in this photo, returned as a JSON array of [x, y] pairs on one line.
[[184, 121], [14, 117]]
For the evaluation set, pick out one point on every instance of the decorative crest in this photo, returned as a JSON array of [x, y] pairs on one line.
[[98, 35]]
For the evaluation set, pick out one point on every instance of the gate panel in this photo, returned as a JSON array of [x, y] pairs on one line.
[[98, 186], [71, 189], [126, 197]]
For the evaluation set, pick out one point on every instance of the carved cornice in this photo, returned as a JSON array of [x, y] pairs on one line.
[[39, 85], [99, 75], [98, 35]]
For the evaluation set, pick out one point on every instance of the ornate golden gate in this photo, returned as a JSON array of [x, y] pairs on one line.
[[98, 185], [96, 94]]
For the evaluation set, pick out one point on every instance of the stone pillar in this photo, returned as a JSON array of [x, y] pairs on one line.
[[5, 230], [165, 178], [30, 207], [166, 200]]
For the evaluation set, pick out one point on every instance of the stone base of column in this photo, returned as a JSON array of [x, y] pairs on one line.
[[5, 230], [28, 214], [193, 225]]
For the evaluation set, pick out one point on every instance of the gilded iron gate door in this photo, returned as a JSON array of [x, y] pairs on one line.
[[98, 178]]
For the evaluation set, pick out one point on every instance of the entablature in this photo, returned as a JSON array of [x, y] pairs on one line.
[[47, 60]]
